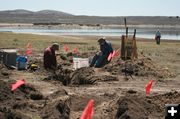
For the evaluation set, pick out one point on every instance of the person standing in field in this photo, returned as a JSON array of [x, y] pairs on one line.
[[49, 59], [101, 58], [158, 37]]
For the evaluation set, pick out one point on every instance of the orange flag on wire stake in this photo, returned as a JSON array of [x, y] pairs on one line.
[[66, 48], [88, 111], [113, 54], [19, 83], [75, 50], [149, 86], [28, 49], [109, 57]]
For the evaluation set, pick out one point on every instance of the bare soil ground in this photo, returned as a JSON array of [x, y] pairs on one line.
[[64, 94]]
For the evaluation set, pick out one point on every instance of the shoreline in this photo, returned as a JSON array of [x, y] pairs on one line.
[[94, 36], [143, 31], [86, 26], [114, 38]]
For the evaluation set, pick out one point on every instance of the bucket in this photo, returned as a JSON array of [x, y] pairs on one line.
[[80, 62], [21, 63]]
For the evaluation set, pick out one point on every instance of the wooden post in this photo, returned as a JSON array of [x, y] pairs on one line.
[[134, 33], [123, 47], [126, 39], [125, 22], [134, 46]]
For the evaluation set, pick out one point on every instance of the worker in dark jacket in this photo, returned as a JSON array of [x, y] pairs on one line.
[[101, 58], [50, 61]]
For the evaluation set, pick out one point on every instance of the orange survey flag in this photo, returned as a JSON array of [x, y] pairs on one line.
[[28, 49], [75, 50], [65, 48], [88, 111], [109, 57], [19, 83], [149, 86]]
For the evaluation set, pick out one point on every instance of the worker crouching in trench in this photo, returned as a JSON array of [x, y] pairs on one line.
[[101, 58]]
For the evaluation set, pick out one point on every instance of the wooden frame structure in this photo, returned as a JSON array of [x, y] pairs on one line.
[[128, 45]]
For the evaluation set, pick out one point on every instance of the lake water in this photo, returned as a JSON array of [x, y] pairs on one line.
[[142, 33]]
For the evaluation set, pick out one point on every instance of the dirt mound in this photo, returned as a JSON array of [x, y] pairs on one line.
[[62, 75], [57, 106], [159, 101], [139, 67], [87, 75], [138, 106], [83, 76], [26, 103], [22, 93], [12, 102], [79, 102], [131, 107], [70, 77], [103, 78]]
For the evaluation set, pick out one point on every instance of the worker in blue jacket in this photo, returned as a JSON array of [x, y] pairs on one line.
[[158, 37], [101, 58]]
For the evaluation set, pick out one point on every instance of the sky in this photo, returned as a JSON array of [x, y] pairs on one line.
[[99, 7]]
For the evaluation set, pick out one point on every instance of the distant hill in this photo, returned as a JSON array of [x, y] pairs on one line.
[[24, 16], [18, 11], [51, 16], [53, 12]]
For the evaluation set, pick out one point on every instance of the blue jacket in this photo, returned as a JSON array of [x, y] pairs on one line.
[[106, 48]]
